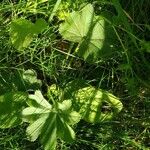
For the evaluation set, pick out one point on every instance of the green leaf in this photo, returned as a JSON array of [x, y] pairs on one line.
[[114, 101], [33, 110], [39, 26], [43, 125], [54, 92], [34, 129], [77, 24], [86, 29], [64, 131], [69, 135], [89, 102], [65, 105], [47, 122], [22, 32], [37, 99], [63, 10], [72, 117], [48, 135], [30, 76], [30, 114], [94, 41], [11, 105], [30, 79]]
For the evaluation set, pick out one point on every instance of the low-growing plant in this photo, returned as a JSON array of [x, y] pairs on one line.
[[60, 64], [52, 119], [89, 31]]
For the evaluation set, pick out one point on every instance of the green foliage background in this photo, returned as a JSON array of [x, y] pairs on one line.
[[123, 70]]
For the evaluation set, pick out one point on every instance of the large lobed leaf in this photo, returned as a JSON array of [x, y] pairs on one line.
[[86, 29], [49, 122], [90, 101]]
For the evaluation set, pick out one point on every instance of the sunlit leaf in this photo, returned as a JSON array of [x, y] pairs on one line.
[[65, 105], [89, 102], [49, 122], [48, 135], [72, 117], [34, 129], [30, 114], [30, 79], [39, 100], [22, 32], [86, 29], [54, 92]]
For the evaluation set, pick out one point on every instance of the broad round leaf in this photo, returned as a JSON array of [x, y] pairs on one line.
[[77, 24], [86, 29], [71, 117], [22, 32]]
